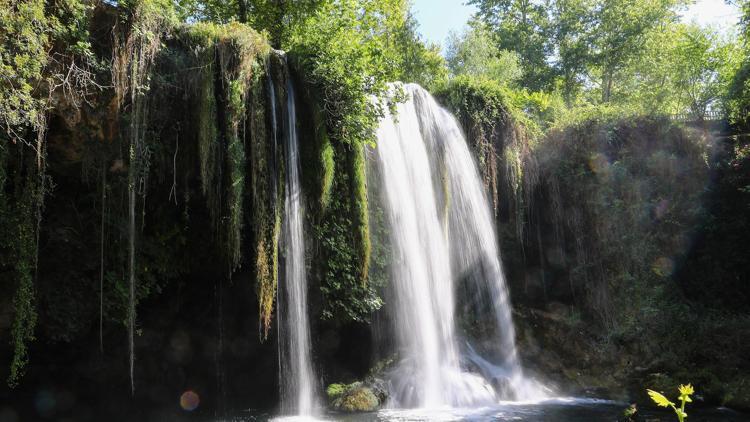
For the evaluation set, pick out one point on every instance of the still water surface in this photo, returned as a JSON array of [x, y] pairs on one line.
[[554, 410]]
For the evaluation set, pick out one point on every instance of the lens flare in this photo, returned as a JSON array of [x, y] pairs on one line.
[[661, 209], [189, 401], [598, 163], [663, 266]]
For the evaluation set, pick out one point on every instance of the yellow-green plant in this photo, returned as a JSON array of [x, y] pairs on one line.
[[685, 392]]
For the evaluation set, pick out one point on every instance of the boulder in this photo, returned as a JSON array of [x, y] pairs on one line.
[[355, 397]]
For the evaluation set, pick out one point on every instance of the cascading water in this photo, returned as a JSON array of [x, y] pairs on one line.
[[297, 380], [441, 229]]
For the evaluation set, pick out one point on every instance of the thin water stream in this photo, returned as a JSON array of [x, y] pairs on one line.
[[297, 379]]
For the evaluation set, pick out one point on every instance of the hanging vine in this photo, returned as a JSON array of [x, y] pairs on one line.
[[231, 112], [23, 182], [133, 57], [267, 194]]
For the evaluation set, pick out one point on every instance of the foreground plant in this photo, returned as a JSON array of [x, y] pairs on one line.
[[685, 392]]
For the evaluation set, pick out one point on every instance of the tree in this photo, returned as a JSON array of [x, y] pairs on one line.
[[737, 101], [620, 29], [573, 28], [522, 26], [475, 53], [44, 48], [702, 67], [574, 43], [680, 69]]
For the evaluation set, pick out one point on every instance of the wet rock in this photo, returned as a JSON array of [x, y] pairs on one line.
[[355, 397]]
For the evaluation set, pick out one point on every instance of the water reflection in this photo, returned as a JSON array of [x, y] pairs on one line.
[[553, 410]]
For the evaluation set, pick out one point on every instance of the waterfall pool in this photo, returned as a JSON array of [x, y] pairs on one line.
[[552, 410]]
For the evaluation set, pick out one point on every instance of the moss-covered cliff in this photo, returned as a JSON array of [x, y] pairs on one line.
[[609, 229], [155, 206]]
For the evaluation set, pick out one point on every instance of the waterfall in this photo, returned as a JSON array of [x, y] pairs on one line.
[[441, 230], [297, 380]]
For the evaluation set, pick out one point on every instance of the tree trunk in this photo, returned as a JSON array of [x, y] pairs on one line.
[[607, 85], [242, 10]]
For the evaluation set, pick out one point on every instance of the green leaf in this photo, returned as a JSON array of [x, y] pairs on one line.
[[659, 399]]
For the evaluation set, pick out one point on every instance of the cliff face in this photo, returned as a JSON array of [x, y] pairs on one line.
[[152, 217], [622, 240], [610, 237]]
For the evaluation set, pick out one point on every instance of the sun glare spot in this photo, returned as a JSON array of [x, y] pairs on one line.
[[189, 401]]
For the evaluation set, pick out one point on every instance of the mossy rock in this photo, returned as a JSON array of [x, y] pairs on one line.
[[334, 391], [355, 397], [360, 399]]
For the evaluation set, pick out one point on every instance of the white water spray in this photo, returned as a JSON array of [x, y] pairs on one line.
[[441, 228], [297, 380]]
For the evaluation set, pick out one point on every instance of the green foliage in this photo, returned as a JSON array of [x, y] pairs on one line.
[[737, 100], [523, 27], [316, 149], [723, 227], [475, 53], [44, 48], [206, 10], [348, 50], [334, 391], [240, 58], [621, 27], [21, 196], [360, 209], [229, 58], [233, 58], [340, 59], [23, 55], [208, 134], [267, 205], [502, 137], [327, 159], [624, 205], [685, 392], [633, 53], [345, 296], [486, 101], [738, 97], [682, 69]]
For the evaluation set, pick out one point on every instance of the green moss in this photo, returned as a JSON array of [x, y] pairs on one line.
[[502, 138], [316, 148], [208, 134], [360, 400], [329, 166], [230, 60], [354, 397], [357, 399], [360, 209], [267, 205], [334, 391]]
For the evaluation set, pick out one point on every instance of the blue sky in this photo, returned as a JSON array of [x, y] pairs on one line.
[[438, 17]]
